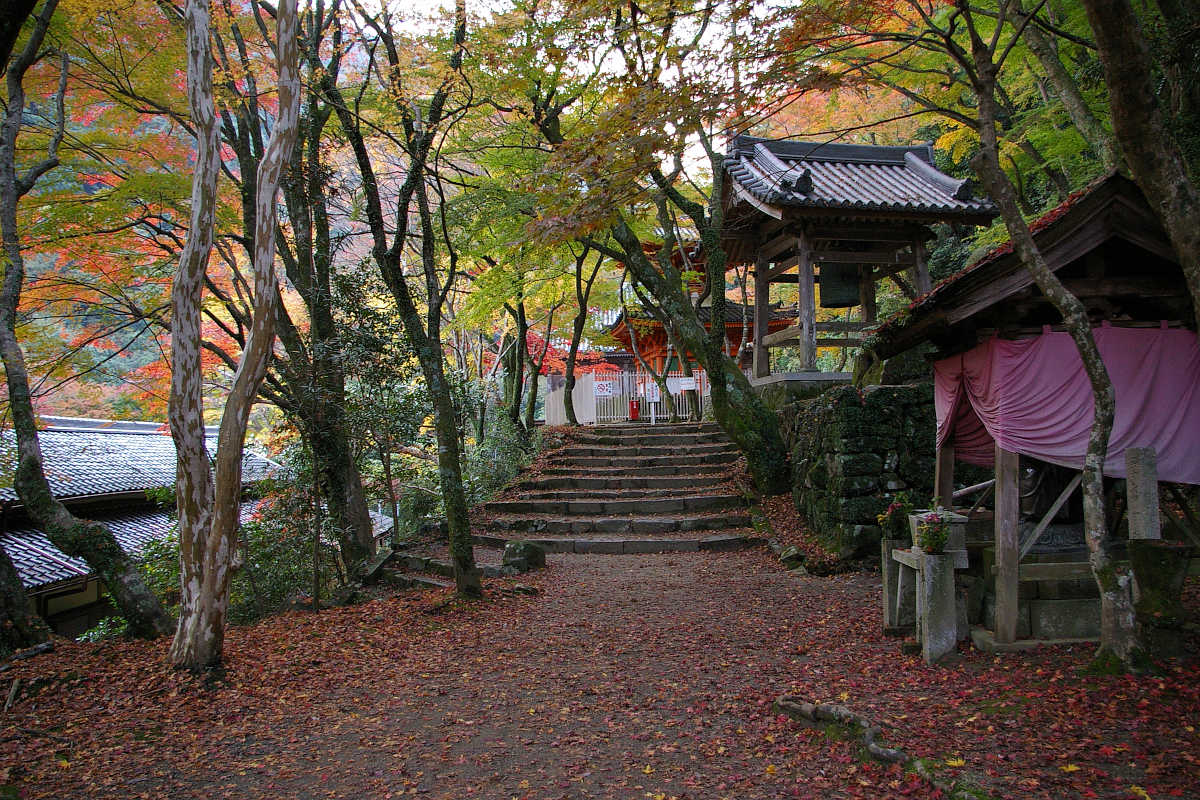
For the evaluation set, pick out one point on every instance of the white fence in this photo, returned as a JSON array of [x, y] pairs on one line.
[[606, 397]]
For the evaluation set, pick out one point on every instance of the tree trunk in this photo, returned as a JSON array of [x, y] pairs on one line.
[[76, 537], [1067, 90], [1120, 637], [423, 336], [741, 414], [20, 626], [572, 352], [209, 499], [1153, 155], [583, 290]]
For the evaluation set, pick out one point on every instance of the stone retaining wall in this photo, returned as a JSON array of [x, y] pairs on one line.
[[852, 451]]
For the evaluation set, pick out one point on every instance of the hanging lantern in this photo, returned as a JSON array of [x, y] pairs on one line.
[[839, 285]]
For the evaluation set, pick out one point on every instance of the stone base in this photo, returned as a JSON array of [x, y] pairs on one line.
[[985, 640], [785, 387]]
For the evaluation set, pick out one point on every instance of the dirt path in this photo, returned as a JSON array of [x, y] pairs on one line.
[[627, 677]]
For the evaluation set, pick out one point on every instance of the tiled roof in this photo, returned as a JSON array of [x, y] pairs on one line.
[[40, 563], [108, 458], [850, 177]]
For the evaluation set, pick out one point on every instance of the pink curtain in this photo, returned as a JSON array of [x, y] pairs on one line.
[[1033, 398]]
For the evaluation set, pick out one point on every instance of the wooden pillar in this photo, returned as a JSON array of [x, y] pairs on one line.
[[1141, 493], [866, 294], [943, 477], [762, 299], [1008, 556], [922, 282], [807, 304]]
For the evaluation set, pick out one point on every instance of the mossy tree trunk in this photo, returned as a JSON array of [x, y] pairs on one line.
[[76, 537], [390, 238], [20, 626]]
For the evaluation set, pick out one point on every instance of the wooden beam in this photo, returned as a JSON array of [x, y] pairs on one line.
[[900, 234], [807, 305], [840, 326], [872, 257], [762, 313], [943, 477], [771, 249], [921, 268], [781, 267], [1062, 498], [1007, 518], [866, 298], [785, 336], [795, 336]]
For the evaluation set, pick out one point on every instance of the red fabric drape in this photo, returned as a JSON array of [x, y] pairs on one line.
[[1033, 397]]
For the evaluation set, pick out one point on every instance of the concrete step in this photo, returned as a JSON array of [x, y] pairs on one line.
[[621, 481], [575, 451], [647, 525], [722, 541], [584, 462], [636, 506]]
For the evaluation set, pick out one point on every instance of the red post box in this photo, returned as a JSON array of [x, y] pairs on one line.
[[633, 409]]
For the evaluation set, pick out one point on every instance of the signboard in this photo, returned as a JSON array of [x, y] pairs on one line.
[[687, 384], [604, 389], [651, 393]]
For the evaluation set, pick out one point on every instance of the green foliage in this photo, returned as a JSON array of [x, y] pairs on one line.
[[276, 550], [493, 462], [107, 628]]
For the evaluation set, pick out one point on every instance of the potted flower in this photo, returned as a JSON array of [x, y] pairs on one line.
[[931, 532], [894, 520]]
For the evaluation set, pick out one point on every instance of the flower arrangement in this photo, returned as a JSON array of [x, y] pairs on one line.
[[894, 520], [933, 529]]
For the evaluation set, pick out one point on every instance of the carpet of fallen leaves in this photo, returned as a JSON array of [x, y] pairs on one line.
[[627, 677], [789, 529]]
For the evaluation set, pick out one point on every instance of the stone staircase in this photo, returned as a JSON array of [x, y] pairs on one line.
[[633, 488]]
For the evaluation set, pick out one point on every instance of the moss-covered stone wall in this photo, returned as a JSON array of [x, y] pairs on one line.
[[852, 451]]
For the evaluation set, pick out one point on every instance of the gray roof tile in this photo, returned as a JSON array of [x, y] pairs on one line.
[[40, 563], [81, 463], [850, 177]]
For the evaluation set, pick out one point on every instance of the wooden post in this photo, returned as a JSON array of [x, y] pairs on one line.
[[807, 304], [1141, 493], [762, 299], [866, 294], [1008, 513], [920, 268], [943, 477]]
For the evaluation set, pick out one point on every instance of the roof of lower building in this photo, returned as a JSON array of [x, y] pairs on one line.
[[850, 178], [88, 458]]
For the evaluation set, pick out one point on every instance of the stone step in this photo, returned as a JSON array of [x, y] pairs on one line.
[[621, 480], [583, 462], [651, 438], [646, 525], [636, 473], [641, 450], [662, 427], [411, 580], [723, 541], [611, 494], [634, 506]]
